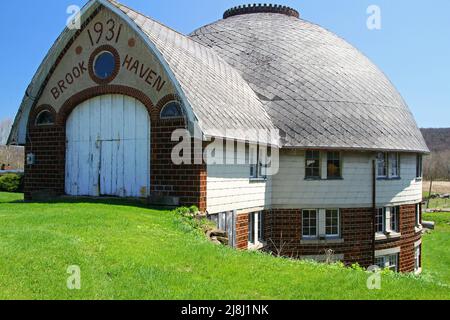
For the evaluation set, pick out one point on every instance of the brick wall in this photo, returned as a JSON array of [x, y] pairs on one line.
[[283, 232], [46, 177], [187, 182], [242, 231], [284, 227]]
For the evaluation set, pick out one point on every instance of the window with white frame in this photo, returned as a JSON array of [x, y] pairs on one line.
[[395, 219], [382, 165], [418, 215], [312, 164], [332, 223], [388, 165], [261, 227], [419, 166], [417, 258], [388, 262], [321, 223], [380, 220], [255, 228], [251, 228], [394, 165], [309, 223], [258, 162]]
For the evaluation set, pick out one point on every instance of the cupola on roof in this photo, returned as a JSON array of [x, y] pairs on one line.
[[261, 8]]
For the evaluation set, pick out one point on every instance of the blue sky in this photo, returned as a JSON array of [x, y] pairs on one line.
[[412, 47]]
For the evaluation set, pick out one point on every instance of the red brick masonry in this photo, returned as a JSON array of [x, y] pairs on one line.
[[283, 230]]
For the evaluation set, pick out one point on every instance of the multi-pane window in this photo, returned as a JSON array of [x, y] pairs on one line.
[[388, 165], [309, 223], [418, 209], [332, 223], [260, 227], [387, 262], [380, 220], [395, 216], [417, 260], [382, 165], [251, 228], [312, 164], [419, 166], [394, 165], [258, 166], [333, 165]]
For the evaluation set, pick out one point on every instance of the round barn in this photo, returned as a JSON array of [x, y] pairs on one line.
[[103, 116]]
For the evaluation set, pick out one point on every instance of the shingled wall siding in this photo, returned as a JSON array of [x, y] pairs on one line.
[[283, 230]]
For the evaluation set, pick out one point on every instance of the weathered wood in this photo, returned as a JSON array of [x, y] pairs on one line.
[[108, 148]]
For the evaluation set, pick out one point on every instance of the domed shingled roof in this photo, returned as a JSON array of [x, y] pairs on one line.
[[319, 90]]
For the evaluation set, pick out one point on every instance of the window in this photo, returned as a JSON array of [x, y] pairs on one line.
[[251, 228], [172, 110], [104, 65], [261, 227], [382, 165], [419, 167], [387, 262], [380, 219], [332, 223], [45, 118], [309, 223], [394, 165], [418, 215], [312, 164], [222, 223], [388, 165], [258, 162], [395, 218], [333, 165], [417, 258]]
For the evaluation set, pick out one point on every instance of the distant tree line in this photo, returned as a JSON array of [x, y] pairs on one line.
[[11, 157], [437, 165]]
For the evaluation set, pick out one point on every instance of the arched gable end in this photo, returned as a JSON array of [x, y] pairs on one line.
[[71, 65]]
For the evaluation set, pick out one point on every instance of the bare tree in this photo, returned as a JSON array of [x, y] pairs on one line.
[[5, 128]]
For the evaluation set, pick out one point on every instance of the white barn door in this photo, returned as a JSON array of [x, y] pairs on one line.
[[108, 148]]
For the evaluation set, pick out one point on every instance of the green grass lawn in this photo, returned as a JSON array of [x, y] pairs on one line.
[[126, 251], [436, 248]]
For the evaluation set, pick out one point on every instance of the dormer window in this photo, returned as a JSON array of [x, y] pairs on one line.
[[172, 110], [45, 118]]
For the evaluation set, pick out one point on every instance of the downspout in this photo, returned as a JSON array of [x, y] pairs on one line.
[[374, 208]]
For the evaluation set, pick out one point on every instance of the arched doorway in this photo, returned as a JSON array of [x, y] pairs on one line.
[[108, 148]]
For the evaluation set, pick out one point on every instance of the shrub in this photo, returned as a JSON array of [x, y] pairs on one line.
[[10, 182]]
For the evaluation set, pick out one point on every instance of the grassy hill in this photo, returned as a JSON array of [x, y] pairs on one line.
[[126, 251]]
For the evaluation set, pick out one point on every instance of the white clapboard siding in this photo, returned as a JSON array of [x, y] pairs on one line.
[[108, 148], [291, 190], [229, 187]]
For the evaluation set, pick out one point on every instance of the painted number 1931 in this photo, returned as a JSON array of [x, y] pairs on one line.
[[109, 31]]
